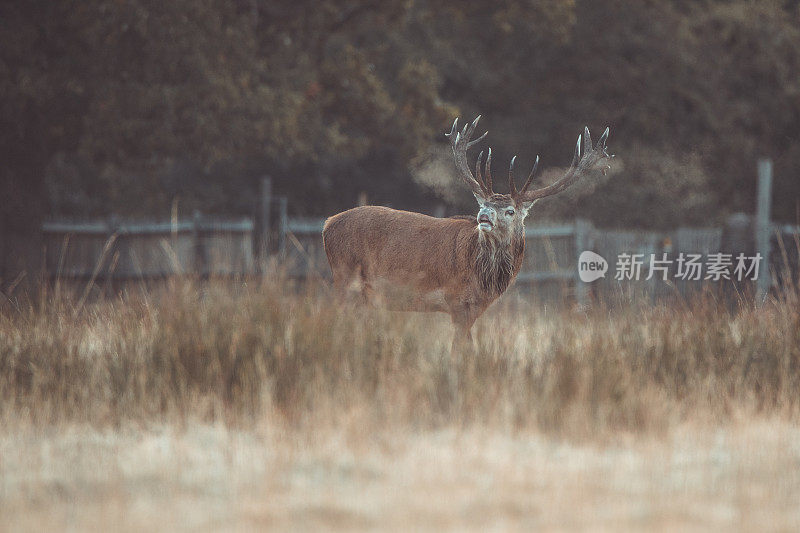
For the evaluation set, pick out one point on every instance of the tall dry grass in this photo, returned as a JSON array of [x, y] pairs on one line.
[[224, 406], [232, 355]]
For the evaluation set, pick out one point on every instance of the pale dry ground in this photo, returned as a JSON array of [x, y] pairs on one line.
[[745, 476]]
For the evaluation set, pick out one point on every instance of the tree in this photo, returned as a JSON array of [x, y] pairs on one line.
[[104, 102]]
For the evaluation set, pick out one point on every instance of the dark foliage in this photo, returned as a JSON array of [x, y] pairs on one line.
[[125, 106]]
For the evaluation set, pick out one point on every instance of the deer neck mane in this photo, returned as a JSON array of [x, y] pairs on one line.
[[498, 261]]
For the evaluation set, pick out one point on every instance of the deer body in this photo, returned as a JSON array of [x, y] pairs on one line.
[[461, 271], [455, 265]]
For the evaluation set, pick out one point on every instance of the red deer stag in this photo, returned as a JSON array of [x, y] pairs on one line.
[[455, 265]]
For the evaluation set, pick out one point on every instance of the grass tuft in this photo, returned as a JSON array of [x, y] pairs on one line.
[[299, 356]]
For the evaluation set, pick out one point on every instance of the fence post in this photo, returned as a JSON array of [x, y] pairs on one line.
[[262, 237], [197, 245], [581, 243], [762, 226], [284, 225], [113, 233]]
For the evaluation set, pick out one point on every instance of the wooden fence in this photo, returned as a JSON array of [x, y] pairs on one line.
[[213, 248], [122, 251]]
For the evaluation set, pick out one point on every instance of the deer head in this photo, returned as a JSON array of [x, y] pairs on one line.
[[502, 215]]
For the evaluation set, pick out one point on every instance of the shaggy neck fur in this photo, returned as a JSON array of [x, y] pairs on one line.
[[497, 261]]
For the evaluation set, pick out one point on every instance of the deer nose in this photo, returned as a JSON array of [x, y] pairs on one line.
[[486, 216]]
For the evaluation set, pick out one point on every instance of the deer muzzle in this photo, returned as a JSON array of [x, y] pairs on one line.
[[486, 219]]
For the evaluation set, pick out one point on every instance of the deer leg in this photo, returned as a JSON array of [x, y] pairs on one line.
[[463, 319], [348, 283], [340, 281], [368, 294]]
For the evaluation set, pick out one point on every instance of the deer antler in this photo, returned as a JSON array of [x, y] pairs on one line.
[[581, 165], [460, 143]]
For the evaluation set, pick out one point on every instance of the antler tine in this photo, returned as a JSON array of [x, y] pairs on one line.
[[460, 143], [577, 155], [511, 186], [476, 141], [479, 172], [489, 170], [587, 140], [471, 130], [453, 129], [530, 176], [601, 144], [468, 128], [601, 147]]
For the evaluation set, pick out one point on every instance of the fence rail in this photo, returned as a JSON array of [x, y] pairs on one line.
[[150, 228], [207, 246], [120, 251]]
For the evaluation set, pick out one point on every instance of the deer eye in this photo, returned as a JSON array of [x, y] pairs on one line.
[[510, 212]]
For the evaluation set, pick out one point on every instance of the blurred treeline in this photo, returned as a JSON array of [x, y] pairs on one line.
[[126, 106]]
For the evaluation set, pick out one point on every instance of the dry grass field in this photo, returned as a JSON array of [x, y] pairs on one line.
[[270, 407]]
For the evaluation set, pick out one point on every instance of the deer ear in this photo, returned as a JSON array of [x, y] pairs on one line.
[[481, 200]]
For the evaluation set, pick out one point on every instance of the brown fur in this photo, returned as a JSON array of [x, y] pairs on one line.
[[444, 264], [497, 265]]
